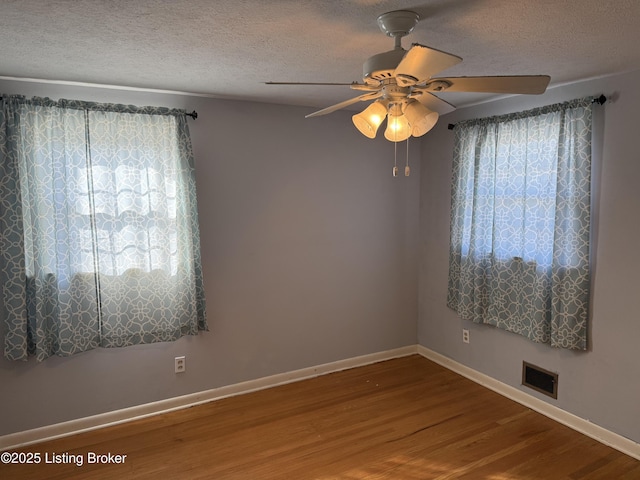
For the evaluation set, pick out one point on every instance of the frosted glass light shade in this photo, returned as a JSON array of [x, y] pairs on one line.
[[420, 118], [398, 128], [368, 121]]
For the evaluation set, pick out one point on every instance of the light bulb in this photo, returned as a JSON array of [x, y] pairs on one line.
[[398, 128], [368, 121], [420, 118]]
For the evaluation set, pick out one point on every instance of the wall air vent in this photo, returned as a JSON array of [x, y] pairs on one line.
[[540, 379]]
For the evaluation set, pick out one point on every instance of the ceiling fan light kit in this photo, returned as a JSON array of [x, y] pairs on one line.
[[369, 120], [402, 85], [420, 118], [398, 128]]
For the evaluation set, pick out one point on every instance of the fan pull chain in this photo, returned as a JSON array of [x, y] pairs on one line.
[[395, 156], [407, 170]]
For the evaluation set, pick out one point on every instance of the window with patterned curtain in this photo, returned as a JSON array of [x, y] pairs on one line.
[[520, 223], [99, 237]]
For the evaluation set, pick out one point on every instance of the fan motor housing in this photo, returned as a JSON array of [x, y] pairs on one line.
[[381, 66]]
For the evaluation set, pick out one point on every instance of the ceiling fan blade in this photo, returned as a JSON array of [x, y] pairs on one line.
[[526, 84], [354, 85], [346, 103], [432, 102], [420, 63], [308, 83]]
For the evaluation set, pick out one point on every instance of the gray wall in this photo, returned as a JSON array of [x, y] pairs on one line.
[[600, 385], [310, 255]]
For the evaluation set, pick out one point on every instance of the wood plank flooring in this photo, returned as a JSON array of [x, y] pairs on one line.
[[406, 418]]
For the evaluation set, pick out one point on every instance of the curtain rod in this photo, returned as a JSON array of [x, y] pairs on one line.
[[599, 100], [193, 114]]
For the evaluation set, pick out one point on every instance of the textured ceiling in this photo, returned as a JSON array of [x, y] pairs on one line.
[[227, 48]]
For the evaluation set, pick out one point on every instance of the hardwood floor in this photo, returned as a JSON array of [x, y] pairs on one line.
[[406, 418]]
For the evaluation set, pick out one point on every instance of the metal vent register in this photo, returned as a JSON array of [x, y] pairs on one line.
[[540, 379]]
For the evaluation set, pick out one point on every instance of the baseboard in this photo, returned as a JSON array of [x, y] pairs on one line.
[[50, 432], [623, 444]]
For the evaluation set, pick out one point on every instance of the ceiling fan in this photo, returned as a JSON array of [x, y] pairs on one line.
[[402, 85]]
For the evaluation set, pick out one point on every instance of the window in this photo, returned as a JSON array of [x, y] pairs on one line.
[[520, 220], [100, 242]]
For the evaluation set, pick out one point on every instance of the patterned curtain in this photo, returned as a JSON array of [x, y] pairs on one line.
[[520, 223], [99, 237]]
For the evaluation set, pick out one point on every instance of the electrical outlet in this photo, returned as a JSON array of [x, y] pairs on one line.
[[465, 335], [180, 364]]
